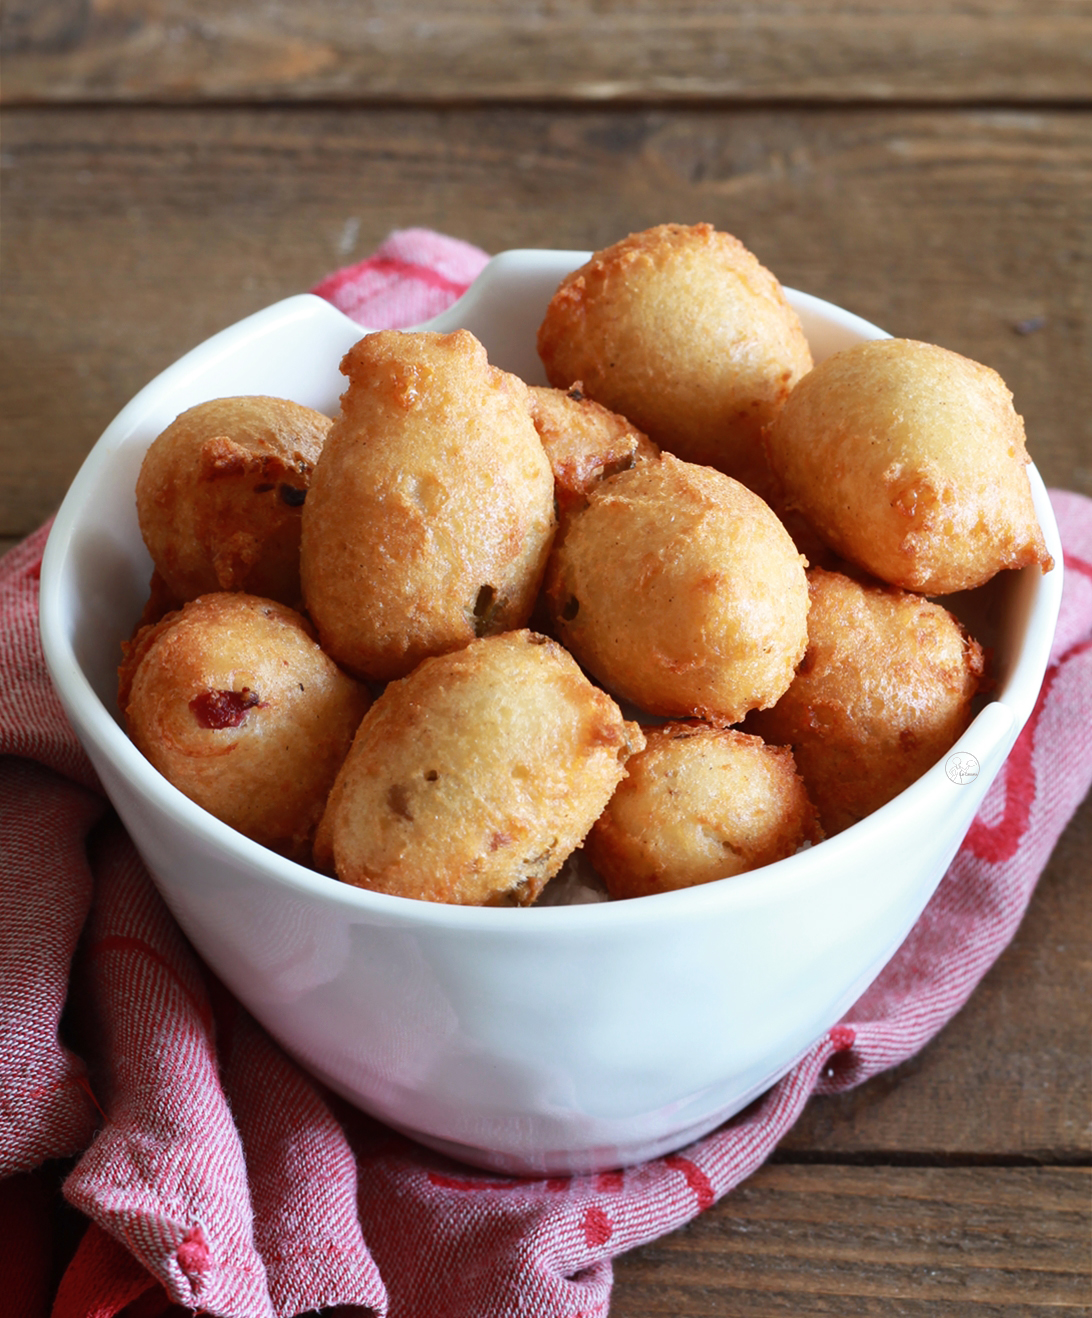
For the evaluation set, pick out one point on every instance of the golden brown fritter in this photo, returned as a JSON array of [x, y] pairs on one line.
[[220, 495], [431, 511], [232, 700], [884, 690], [909, 460], [584, 442], [472, 779], [680, 591], [683, 331], [699, 803]]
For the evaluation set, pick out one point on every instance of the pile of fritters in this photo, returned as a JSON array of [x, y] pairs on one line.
[[512, 561]]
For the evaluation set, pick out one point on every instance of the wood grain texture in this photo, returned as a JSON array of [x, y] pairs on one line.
[[289, 139], [549, 50], [129, 236], [871, 1241]]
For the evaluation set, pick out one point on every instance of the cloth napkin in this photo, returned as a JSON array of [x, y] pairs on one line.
[[205, 1171]]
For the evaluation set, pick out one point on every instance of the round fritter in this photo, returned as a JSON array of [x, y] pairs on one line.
[[909, 460], [699, 803], [471, 780], [884, 690], [680, 591], [684, 332], [220, 494], [584, 442], [431, 511], [232, 700]]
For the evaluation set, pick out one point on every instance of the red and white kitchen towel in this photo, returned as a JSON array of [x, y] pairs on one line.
[[216, 1176]]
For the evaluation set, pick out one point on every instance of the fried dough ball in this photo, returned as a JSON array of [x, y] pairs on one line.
[[909, 460], [220, 493], [884, 690], [472, 779], [680, 591], [684, 332], [699, 803], [232, 700], [584, 442], [431, 511]]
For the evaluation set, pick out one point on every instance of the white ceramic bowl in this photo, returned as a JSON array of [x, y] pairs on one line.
[[552, 1040]]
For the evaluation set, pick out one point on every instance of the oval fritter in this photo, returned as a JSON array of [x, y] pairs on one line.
[[220, 496], [909, 461], [680, 591], [584, 442], [681, 329], [232, 700], [472, 779], [884, 690], [699, 803], [431, 511]]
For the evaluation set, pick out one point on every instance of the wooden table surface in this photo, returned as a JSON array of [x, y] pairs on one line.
[[169, 167]]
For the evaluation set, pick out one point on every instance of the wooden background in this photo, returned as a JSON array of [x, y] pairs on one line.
[[167, 166]]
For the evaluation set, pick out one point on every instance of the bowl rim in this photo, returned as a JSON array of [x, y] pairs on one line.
[[996, 725]]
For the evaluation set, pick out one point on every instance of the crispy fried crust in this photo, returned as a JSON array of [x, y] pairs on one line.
[[232, 700], [680, 590], [683, 331], [472, 779], [220, 493], [584, 442], [909, 461], [699, 803], [431, 511], [884, 690]]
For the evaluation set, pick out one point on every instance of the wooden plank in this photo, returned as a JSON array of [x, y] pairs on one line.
[[549, 50], [870, 1241], [131, 236], [1010, 1077]]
